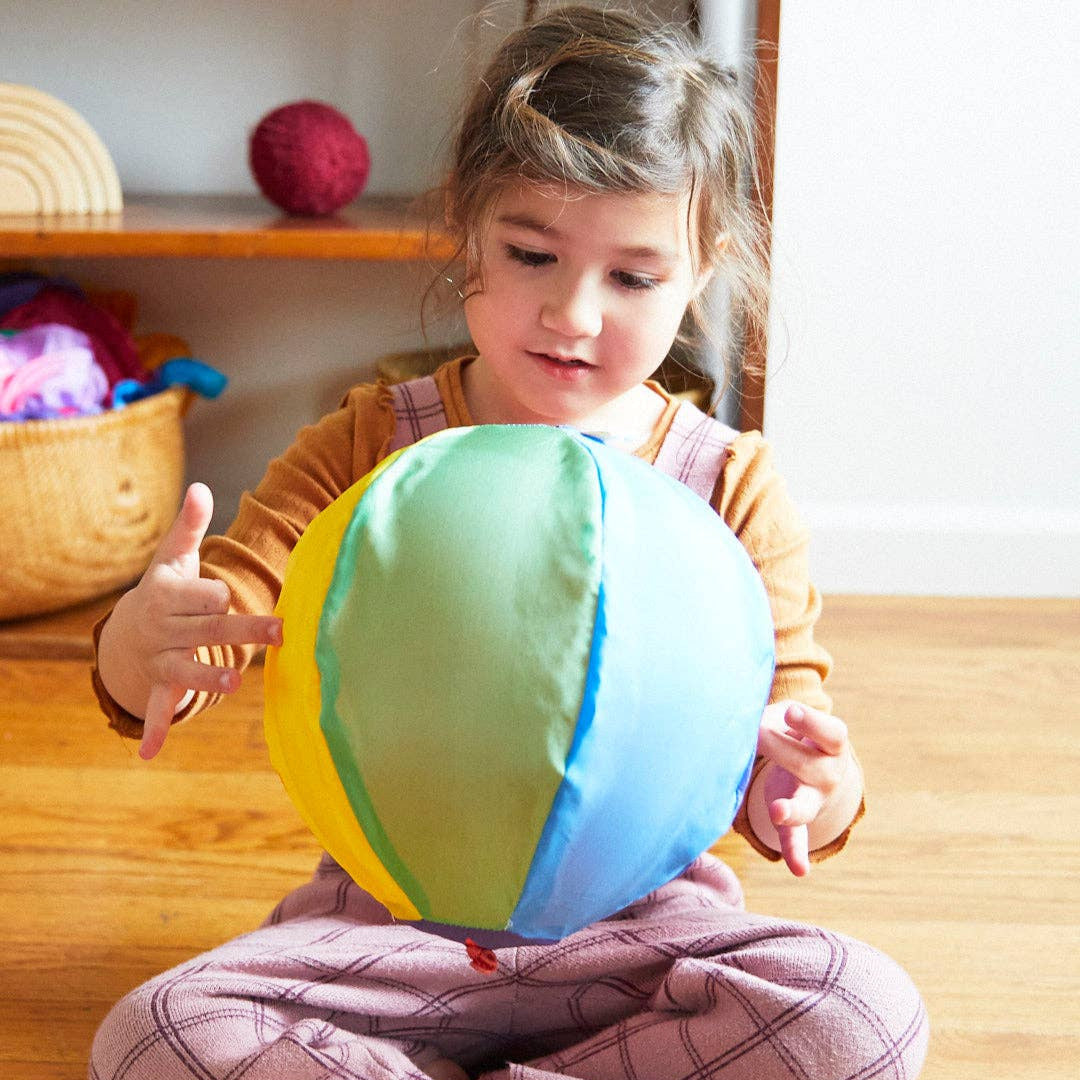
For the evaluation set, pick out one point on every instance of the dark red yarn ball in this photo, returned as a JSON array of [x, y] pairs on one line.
[[308, 159]]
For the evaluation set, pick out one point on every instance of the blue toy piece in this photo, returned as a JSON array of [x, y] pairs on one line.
[[186, 371]]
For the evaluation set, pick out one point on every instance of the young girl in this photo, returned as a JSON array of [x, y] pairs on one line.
[[596, 187]]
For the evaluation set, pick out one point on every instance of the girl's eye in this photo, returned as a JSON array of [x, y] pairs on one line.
[[623, 278], [527, 257], [634, 281]]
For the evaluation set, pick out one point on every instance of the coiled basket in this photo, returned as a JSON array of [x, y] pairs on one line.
[[84, 501]]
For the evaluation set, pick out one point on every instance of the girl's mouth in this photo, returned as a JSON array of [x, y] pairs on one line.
[[568, 363]]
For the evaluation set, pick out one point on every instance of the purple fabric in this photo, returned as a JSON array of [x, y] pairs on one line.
[[684, 984], [418, 411], [694, 450], [49, 371], [20, 288], [114, 349]]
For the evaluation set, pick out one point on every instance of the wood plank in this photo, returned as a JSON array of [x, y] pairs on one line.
[[49, 717], [227, 226], [959, 1055], [54, 1042]]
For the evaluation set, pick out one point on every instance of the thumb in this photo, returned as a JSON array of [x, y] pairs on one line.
[[180, 545]]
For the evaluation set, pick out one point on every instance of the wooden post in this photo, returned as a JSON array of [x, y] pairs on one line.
[[755, 349]]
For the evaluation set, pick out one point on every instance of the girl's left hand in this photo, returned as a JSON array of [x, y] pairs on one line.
[[809, 761]]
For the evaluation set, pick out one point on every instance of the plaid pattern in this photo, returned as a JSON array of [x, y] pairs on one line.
[[694, 449], [418, 411], [683, 985]]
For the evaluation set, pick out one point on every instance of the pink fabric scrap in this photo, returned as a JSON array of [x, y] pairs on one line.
[[49, 371], [113, 347]]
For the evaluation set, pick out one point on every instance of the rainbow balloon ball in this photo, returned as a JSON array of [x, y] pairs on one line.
[[521, 680]]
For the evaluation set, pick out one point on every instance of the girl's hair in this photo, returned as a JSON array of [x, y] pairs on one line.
[[596, 101]]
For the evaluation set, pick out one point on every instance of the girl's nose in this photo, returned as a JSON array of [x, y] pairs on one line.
[[573, 310]]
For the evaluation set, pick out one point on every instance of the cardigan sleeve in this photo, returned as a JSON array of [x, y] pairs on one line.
[[752, 499], [324, 460]]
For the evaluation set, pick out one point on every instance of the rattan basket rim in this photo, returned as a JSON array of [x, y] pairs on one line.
[[173, 399]]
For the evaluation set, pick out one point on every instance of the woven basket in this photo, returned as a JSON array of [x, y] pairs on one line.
[[84, 501]]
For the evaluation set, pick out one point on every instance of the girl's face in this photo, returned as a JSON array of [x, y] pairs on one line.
[[581, 300]]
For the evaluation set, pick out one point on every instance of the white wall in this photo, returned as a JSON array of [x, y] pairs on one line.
[[174, 89], [923, 372]]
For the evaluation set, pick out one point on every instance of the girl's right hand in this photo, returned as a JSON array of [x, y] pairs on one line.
[[146, 649]]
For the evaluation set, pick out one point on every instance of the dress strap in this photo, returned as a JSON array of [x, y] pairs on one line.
[[695, 449], [418, 411]]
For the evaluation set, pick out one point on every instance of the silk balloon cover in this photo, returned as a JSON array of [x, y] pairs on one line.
[[521, 679]]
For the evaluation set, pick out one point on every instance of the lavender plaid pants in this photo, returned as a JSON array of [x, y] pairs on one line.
[[684, 984]]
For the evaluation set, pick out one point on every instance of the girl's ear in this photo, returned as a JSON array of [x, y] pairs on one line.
[[706, 273]]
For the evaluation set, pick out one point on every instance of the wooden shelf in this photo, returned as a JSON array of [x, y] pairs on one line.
[[226, 226]]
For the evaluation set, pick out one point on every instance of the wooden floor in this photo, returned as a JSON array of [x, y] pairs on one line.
[[967, 870]]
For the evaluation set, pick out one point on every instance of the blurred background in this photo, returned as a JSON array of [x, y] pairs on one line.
[[922, 364]]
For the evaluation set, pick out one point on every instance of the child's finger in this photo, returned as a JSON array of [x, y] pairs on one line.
[[160, 709], [194, 631], [801, 808], [181, 669], [187, 531], [828, 733], [198, 596], [795, 847], [799, 758]]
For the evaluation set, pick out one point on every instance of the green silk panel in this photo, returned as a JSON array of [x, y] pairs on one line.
[[453, 650]]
